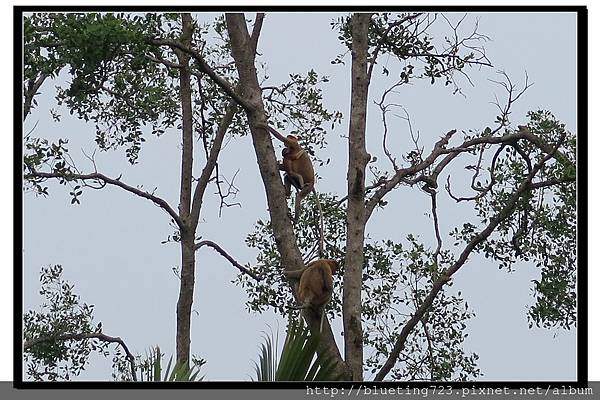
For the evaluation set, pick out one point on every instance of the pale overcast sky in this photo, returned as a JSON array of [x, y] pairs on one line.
[[110, 247]]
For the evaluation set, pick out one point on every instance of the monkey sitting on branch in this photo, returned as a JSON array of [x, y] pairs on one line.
[[316, 285], [297, 166], [299, 173]]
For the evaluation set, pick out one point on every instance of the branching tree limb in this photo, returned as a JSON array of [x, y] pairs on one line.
[[504, 213], [30, 90], [227, 256], [110, 181], [84, 336], [205, 68], [404, 175], [218, 141]]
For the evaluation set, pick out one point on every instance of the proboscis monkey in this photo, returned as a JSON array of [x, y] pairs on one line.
[[299, 173], [316, 285]]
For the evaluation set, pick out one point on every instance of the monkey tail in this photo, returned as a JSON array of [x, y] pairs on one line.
[[321, 230], [304, 307]]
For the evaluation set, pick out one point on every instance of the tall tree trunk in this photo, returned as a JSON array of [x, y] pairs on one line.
[[186, 288], [285, 239], [358, 159]]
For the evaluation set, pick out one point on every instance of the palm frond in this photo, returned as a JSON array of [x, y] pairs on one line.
[[299, 360]]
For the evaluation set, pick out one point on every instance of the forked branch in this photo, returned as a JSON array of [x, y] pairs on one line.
[[504, 213]]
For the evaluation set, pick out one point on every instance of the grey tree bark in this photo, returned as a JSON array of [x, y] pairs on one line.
[[186, 286], [358, 159], [285, 239]]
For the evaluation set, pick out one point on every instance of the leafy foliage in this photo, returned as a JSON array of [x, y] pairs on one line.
[[126, 86], [395, 281], [114, 84], [407, 38], [299, 103], [61, 313], [542, 229], [266, 368], [272, 290], [39, 153]]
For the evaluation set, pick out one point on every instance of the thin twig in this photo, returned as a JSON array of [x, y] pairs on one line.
[[436, 226], [430, 347], [116, 182], [227, 256]]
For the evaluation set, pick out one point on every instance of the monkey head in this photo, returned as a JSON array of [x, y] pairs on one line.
[[333, 265], [292, 143]]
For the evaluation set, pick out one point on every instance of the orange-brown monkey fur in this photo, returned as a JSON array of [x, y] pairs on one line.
[[316, 285], [297, 166]]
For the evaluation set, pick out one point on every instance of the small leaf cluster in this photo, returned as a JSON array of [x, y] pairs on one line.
[[41, 154], [298, 107], [61, 313], [407, 38]]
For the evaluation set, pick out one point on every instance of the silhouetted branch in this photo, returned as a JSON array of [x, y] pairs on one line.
[[84, 336], [30, 91], [227, 256], [204, 67], [116, 182]]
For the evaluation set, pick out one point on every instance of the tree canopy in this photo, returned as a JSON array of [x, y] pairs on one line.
[[130, 76]]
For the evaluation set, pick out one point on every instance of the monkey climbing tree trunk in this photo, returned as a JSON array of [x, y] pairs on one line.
[[244, 53], [358, 159], [186, 288]]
